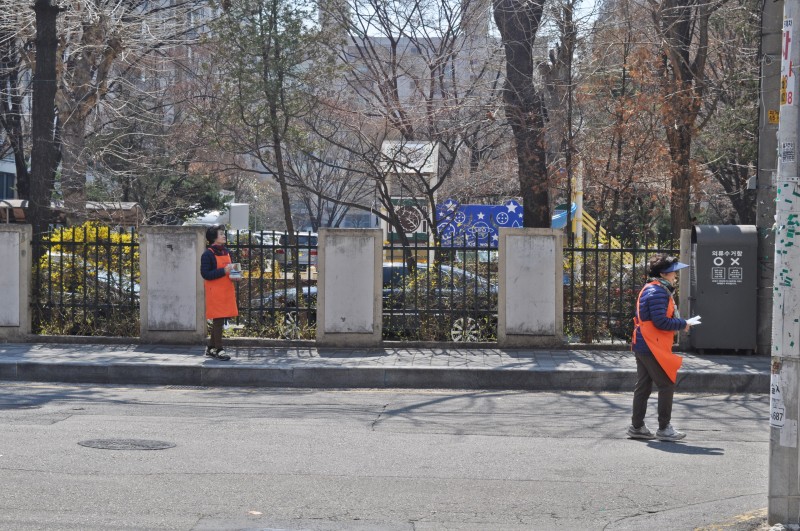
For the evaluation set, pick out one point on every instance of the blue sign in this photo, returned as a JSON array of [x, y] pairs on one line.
[[478, 225], [466, 225]]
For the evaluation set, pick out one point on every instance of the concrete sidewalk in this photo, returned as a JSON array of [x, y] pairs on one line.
[[462, 367]]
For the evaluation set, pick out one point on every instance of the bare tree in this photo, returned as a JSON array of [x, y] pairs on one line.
[[559, 74], [728, 139], [13, 90], [624, 153], [683, 30], [44, 157], [152, 151], [266, 50], [319, 174], [98, 43], [419, 83], [518, 22]]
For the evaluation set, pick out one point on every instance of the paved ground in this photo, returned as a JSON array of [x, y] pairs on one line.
[[373, 460], [398, 366]]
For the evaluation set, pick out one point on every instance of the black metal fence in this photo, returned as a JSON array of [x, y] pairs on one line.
[[86, 282], [277, 295], [446, 293], [602, 280]]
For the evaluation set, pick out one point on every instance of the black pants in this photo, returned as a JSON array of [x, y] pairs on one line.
[[216, 333], [648, 371]]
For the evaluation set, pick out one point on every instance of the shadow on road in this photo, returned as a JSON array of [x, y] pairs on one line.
[[683, 448]]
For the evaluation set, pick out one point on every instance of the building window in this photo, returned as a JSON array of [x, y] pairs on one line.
[[6, 185]]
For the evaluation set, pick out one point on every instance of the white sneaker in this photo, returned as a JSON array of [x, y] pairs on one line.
[[642, 432], [669, 434]]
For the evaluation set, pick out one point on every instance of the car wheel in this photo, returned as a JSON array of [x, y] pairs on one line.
[[289, 327], [465, 330]]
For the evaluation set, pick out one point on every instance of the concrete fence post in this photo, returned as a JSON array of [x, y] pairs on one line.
[[531, 298], [172, 307], [349, 296], [15, 282]]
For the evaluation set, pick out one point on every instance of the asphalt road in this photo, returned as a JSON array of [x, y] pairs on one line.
[[373, 459]]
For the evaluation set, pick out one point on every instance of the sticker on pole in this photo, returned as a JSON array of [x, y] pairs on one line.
[[787, 76], [776, 407], [786, 152]]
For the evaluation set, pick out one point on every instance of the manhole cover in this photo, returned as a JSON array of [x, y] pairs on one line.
[[126, 444]]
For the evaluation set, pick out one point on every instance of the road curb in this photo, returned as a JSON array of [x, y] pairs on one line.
[[212, 373]]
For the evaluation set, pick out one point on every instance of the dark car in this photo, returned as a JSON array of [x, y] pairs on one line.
[[281, 311], [445, 302], [461, 306]]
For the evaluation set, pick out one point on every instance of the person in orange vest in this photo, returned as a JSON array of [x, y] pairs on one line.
[[656, 322], [215, 268]]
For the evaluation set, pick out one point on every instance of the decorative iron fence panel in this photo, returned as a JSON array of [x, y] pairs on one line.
[[86, 282], [446, 293], [277, 296], [601, 284]]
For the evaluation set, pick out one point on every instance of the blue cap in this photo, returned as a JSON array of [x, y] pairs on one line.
[[674, 266]]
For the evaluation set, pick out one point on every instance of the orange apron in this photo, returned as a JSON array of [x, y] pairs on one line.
[[659, 341], [220, 293]]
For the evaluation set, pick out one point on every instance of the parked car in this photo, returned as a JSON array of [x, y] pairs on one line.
[[305, 246], [459, 299], [452, 301], [280, 310]]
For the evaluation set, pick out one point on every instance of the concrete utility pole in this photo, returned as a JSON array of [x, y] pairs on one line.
[[764, 183], [784, 465]]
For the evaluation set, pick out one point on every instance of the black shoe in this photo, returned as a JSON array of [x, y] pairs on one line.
[[221, 355], [211, 352]]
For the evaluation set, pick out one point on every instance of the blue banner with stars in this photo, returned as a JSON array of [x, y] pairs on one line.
[[467, 225]]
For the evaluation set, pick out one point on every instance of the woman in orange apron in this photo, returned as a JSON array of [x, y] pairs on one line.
[[215, 268], [656, 322]]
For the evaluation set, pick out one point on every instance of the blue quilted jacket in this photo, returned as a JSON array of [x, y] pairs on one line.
[[653, 307], [208, 266]]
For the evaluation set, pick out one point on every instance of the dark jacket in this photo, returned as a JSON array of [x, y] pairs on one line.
[[653, 307], [208, 266]]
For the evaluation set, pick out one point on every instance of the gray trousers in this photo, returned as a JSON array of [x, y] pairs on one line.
[[648, 371]]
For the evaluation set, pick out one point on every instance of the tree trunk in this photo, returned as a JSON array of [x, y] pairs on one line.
[[518, 22], [281, 175], [680, 150], [73, 169], [44, 154], [83, 86]]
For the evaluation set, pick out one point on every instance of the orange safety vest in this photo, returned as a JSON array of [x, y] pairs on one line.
[[220, 293], [659, 341]]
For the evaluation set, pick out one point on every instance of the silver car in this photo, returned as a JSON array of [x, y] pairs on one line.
[[306, 247]]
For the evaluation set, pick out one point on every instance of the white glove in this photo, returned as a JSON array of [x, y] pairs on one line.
[[693, 321]]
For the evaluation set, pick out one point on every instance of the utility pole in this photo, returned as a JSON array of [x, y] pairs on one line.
[[784, 465], [764, 182]]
